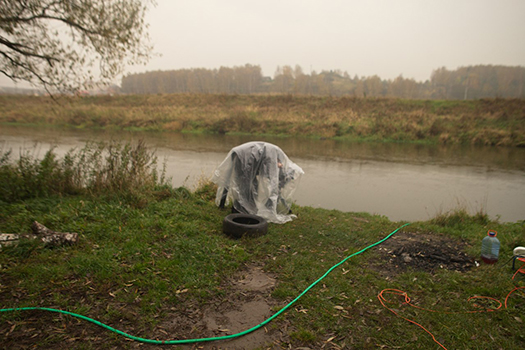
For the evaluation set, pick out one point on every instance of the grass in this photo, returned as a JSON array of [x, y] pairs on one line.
[[138, 265], [482, 122]]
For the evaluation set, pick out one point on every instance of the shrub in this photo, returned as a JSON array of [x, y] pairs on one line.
[[129, 171]]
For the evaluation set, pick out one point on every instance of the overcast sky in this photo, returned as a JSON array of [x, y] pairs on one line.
[[366, 37], [387, 38]]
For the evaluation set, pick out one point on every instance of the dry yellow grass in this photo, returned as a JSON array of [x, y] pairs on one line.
[[486, 122]]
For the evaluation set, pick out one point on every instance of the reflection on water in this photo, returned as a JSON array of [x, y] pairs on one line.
[[401, 181]]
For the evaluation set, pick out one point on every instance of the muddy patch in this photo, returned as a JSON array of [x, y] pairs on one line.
[[247, 303], [422, 252], [253, 279]]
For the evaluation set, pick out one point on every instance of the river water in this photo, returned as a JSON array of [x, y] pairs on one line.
[[400, 181]]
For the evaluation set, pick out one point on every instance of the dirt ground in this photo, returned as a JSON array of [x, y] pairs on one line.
[[248, 301], [251, 303], [248, 305]]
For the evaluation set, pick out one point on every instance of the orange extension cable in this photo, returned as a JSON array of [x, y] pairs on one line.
[[383, 300], [520, 270]]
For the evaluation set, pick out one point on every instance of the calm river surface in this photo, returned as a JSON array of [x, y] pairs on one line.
[[402, 182]]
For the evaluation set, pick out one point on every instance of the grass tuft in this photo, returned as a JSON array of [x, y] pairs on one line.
[[460, 216]]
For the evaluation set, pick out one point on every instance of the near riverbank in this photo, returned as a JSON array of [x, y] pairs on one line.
[[152, 261], [498, 122]]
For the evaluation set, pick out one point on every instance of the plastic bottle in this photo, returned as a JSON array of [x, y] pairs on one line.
[[490, 248]]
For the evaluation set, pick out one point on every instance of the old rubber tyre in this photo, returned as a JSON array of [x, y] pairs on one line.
[[240, 225]]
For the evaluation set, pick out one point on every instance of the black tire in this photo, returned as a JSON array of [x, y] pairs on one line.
[[240, 225]]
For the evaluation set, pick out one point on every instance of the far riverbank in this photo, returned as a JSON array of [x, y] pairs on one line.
[[487, 122]]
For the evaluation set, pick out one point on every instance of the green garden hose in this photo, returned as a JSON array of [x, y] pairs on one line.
[[225, 337]]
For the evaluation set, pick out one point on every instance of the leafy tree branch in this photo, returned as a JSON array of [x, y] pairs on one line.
[[60, 44]]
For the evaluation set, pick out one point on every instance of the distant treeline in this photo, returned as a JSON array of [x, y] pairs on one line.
[[464, 83]]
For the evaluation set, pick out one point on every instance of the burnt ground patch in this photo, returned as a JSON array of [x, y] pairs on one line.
[[427, 252]]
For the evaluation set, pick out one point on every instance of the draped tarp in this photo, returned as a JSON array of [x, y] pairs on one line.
[[258, 178]]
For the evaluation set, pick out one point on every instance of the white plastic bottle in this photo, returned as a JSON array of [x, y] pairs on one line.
[[490, 248]]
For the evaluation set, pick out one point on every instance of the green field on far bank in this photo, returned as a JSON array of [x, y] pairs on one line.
[[499, 122], [152, 261]]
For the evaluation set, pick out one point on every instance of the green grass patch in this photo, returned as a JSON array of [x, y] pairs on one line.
[[140, 267]]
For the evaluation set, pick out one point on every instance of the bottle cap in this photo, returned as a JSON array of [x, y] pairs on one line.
[[492, 233]]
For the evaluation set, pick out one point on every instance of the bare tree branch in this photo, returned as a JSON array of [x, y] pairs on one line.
[[18, 48]]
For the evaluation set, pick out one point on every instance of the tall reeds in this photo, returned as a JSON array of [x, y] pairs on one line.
[[97, 169]]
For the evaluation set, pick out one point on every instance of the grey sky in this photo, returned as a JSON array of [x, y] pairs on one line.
[[387, 38], [367, 37]]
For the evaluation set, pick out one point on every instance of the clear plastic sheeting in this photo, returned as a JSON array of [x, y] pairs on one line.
[[258, 178]]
